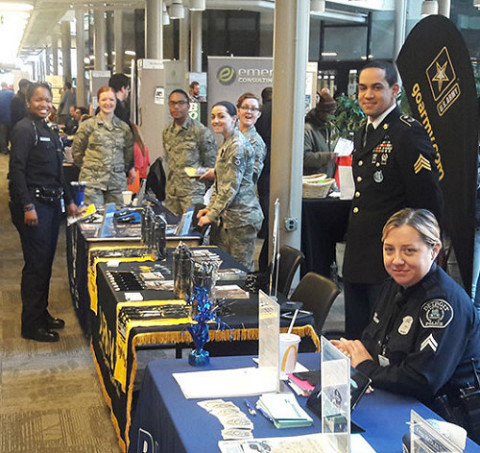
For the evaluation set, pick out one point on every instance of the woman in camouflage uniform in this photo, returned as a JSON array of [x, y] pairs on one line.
[[103, 150], [248, 107], [233, 206]]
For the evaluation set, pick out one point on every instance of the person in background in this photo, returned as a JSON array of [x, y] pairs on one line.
[[264, 129], [36, 188], [393, 167], [6, 96], [187, 143], [194, 95], [18, 105], [67, 101], [121, 85], [233, 206], [248, 107], [424, 336], [103, 150], [141, 159], [72, 126], [318, 148]]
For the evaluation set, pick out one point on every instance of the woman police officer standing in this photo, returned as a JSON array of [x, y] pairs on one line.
[[424, 336], [233, 205], [36, 187]]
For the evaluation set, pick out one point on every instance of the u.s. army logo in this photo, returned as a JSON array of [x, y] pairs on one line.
[[440, 74], [422, 163], [443, 81]]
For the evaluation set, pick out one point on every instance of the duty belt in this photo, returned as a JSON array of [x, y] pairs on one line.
[[47, 194]]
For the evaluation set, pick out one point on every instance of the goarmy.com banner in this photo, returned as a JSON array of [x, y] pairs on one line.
[[438, 78]]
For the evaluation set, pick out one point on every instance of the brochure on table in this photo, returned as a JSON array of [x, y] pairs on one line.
[[319, 443], [242, 381], [335, 371], [424, 438]]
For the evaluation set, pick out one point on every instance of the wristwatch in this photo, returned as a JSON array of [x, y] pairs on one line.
[[28, 207]]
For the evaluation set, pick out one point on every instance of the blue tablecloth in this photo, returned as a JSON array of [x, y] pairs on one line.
[[173, 424]]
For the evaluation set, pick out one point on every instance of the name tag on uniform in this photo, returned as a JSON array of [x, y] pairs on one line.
[[383, 361], [44, 139]]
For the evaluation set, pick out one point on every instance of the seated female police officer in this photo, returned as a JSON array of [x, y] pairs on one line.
[[36, 187], [424, 336]]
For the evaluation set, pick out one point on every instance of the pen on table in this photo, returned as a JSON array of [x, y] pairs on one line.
[[251, 409], [270, 419]]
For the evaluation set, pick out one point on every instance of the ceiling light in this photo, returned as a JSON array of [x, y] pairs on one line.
[[130, 52], [15, 7], [429, 7], [176, 10], [197, 5], [317, 6], [165, 16]]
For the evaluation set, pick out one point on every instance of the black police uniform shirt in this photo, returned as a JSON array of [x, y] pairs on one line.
[[394, 170], [36, 160], [422, 339]]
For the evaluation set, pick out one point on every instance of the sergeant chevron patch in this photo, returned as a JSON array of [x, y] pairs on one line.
[[422, 162], [429, 341]]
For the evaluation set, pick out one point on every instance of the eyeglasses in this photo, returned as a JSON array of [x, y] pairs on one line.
[[174, 103], [249, 109]]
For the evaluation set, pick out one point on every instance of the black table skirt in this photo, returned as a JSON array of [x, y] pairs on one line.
[[324, 223]]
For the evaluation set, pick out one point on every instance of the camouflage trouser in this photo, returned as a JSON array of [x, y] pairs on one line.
[[179, 205], [240, 243], [101, 197]]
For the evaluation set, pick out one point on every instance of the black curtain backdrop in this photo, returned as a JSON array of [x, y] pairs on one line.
[[438, 78]]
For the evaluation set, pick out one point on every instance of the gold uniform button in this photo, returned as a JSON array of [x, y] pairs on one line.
[[360, 163], [378, 164], [357, 194], [359, 179], [355, 210]]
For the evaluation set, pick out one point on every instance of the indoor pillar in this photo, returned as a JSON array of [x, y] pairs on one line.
[[153, 29], [290, 53], [400, 24], [66, 52], [117, 33], [81, 91], [196, 41], [99, 37]]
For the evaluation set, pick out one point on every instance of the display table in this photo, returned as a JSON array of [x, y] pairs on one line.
[[174, 424], [114, 345], [82, 245], [324, 223]]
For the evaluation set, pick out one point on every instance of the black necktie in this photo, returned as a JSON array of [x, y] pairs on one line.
[[368, 134]]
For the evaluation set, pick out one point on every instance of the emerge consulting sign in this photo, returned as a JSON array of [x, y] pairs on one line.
[[230, 77]]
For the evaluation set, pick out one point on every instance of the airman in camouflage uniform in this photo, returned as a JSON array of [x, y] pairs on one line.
[[259, 148], [104, 153], [234, 204], [187, 143]]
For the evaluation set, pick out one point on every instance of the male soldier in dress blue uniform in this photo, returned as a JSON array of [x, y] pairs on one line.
[[393, 168]]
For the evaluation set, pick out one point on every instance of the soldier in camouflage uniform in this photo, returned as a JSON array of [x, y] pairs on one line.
[[233, 206], [248, 106], [187, 143], [103, 150]]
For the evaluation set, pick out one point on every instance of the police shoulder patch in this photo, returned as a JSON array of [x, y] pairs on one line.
[[436, 313]]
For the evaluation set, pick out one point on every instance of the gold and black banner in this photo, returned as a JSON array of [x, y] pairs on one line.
[[438, 78]]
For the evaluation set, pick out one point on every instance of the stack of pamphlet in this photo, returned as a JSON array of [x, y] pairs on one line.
[[283, 410]]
